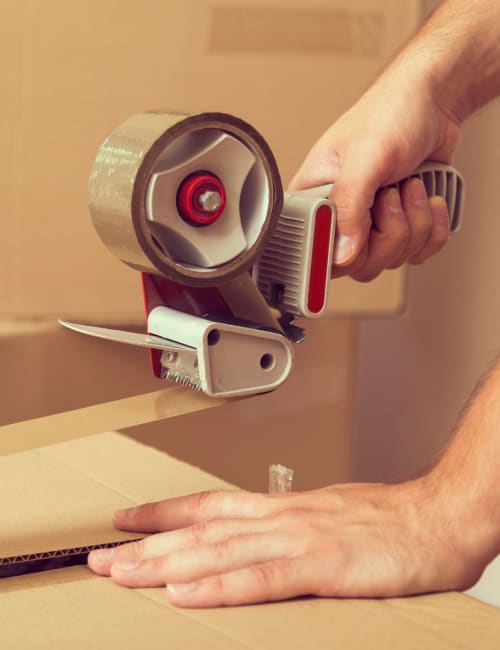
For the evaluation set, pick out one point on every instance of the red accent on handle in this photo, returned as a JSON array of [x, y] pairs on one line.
[[188, 196], [320, 273]]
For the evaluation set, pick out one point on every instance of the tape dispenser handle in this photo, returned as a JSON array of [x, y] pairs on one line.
[[439, 180]]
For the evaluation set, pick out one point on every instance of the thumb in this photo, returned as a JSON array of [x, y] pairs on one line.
[[322, 166], [353, 194]]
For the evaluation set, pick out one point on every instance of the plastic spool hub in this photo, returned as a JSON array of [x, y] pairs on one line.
[[201, 199]]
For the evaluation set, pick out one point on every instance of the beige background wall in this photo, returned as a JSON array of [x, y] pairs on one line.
[[414, 373]]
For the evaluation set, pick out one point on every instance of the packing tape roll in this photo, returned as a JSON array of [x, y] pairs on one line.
[[124, 169]]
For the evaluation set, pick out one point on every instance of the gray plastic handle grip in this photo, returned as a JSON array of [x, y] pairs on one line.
[[439, 180]]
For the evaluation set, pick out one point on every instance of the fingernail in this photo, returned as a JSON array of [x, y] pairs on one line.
[[102, 554], [418, 192], [439, 208], [126, 566], [343, 249], [181, 588], [394, 201]]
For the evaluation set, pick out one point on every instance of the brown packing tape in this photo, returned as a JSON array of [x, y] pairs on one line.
[[120, 179], [118, 414]]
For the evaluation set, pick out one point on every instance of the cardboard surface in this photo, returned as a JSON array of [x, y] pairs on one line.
[[73, 488], [70, 77]]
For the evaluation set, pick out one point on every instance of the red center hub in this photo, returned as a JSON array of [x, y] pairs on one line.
[[201, 199]]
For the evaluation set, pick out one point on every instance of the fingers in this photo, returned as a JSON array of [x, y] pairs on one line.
[[352, 541], [101, 561], [353, 195], [220, 562], [440, 233], [388, 238], [270, 581], [416, 206], [357, 171], [407, 227], [184, 511], [195, 563], [321, 166]]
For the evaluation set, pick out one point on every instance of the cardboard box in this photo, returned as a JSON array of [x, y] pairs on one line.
[[63, 495]]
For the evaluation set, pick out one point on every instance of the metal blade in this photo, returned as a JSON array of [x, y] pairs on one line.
[[179, 362], [131, 338]]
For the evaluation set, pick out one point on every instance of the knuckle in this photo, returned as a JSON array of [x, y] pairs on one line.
[[254, 505], [292, 514], [440, 236], [134, 551], [217, 587], [199, 502], [397, 263], [147, 512], [400, 232], [366, 275], [227, 503], [417, 260], [265, 576], [422, 256], [309, 525], [159, 566], [358, 264], [222, 549], [421, 226], [319, 524], [197, 533]]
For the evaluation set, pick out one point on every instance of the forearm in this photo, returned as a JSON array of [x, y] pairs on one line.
[[469, 471], [458, 52]]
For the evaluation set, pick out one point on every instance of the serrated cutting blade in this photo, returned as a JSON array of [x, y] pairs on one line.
[[179, 362]]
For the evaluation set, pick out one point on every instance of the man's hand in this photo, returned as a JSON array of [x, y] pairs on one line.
[[233, 548], [435, 533], [393, 128], [413, 112]]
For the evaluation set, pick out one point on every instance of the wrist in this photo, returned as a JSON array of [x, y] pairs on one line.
[[466, 517], [453, 548]]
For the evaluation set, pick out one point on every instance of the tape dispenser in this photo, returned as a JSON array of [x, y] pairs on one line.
[[228, 260]]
